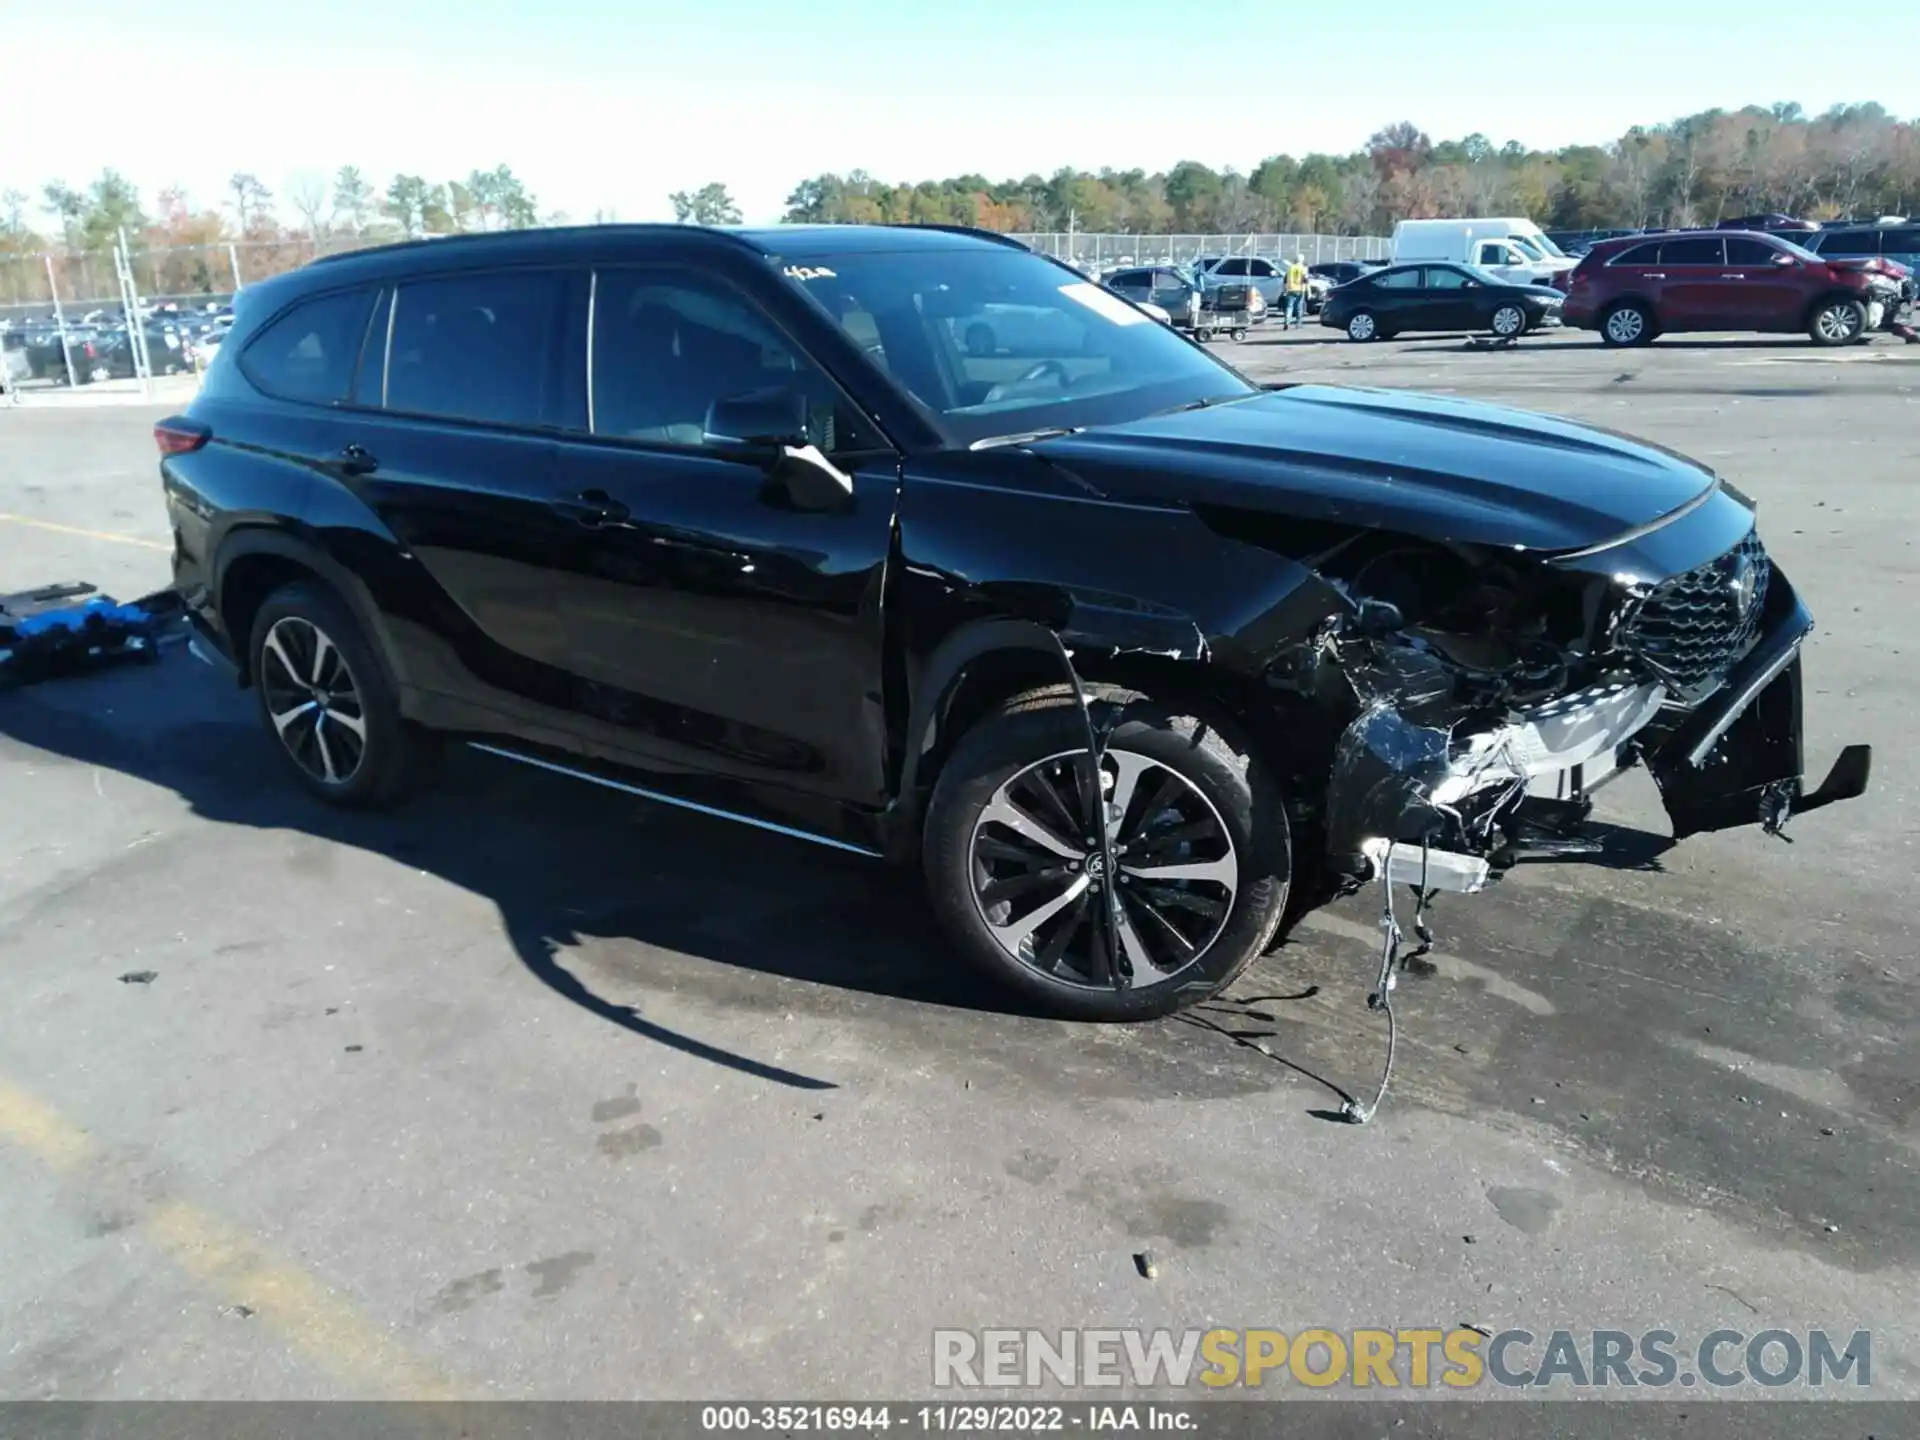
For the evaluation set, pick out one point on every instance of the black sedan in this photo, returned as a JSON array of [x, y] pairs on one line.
[[1438, 297]]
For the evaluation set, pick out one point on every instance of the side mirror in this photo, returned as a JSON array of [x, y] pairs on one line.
[[762, 419], [1785, 260], [775, 423]]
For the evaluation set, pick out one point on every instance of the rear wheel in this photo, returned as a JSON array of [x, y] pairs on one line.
[[325, 699], [1016, 874], [1362, 326], [1838, 321], [1627, 324]]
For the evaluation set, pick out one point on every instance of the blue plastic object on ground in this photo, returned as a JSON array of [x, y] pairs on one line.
[[62, 629]]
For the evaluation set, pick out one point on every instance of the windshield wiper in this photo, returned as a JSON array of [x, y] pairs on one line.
[[1026, 437], [1210, 400]]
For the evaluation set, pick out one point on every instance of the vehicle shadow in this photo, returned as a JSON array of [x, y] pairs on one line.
[[570, 867], [601, 897]]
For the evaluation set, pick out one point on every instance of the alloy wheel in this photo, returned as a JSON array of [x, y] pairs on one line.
[[313, 700], [1508, 320], [1361, 327], [1624, 326], [1039, 874], [1838, 322]]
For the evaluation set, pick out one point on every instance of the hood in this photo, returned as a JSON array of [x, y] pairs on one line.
[[1423, 465]]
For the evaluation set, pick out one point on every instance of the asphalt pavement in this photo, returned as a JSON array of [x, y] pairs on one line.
[[532, 1090]]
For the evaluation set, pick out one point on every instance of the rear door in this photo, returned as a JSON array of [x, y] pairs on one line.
[[1170, 291], [1399, 299], [1693, 296], [454, 451], [719, 625]]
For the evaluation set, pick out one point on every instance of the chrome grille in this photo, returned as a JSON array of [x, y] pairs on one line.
[[1691, 629]]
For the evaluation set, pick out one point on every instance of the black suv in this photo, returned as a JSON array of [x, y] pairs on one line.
[[1122, 648]]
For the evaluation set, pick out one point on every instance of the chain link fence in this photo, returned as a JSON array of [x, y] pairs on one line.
[[1096, 252]]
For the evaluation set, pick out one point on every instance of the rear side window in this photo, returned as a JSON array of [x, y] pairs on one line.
[[1231, 267], [1698, 251], [309, 353], [1129, 277], [1399, 280], [1638, 255], [476, 347], [1900, 242]]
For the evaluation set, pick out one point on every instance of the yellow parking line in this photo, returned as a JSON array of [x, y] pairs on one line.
[[316, 1322], [88, 534]]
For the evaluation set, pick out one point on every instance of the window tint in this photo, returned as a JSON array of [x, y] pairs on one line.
[[1129, 277], [1493, 253], [309, 352], [1439, 278], [1231, 267], [1260, 269], [1850, 242], [475, 347], [1399, 279], [1638, 255], [1702, 250], [1900, 242], [668, 343], [1742, 251]]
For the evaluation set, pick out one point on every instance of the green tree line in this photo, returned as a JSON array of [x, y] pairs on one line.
[[1852, 159]]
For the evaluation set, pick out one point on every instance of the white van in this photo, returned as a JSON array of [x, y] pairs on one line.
[[1512, 247]]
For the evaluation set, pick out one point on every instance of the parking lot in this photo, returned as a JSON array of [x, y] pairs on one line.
[[532, 1090]]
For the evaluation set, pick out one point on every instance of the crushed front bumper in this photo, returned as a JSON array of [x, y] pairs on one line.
[[1732, 758]]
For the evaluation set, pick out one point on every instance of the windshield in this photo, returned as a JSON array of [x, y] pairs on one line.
[[996, 342], [1528, 246], [1545, 244]]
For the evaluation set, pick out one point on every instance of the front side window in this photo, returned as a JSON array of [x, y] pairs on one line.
[[992, 341], [1442, 279], [309, 353], [669, 343], [476, 347], [1744, 251], [1492, 253]]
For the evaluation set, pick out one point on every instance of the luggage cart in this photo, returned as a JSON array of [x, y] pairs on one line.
[[1230, 310]]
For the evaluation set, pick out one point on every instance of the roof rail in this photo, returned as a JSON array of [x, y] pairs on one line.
[[465, 238], [998, 237]]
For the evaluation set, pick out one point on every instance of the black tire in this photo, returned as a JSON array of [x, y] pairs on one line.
[[1837, 320], [1509, 322], [394, 756], [1628, 323], [1363, 326], [1239, 795]]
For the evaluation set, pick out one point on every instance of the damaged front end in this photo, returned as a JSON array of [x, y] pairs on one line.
[[1490, 694]]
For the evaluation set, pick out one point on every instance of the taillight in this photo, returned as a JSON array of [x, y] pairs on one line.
[[179, 436]]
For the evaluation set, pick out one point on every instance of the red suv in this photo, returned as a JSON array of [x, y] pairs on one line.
[[1640, 286]]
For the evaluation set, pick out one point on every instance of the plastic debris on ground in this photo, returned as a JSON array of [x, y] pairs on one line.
[[70, 628]]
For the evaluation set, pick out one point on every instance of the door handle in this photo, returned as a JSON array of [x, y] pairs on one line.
[[357, 460], [1656, 274], [592, 508], [1733, 277]]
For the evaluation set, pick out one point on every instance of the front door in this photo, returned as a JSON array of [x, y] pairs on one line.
[[1769, 281], [1453, 300], [1504, 261], [721, 624]]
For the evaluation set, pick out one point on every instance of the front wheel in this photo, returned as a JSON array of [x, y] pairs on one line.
[[1509, 321], [1838, 322], [1362, 326], [1017, 876]]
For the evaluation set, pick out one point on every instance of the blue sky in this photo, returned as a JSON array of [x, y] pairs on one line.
[[598, 104]]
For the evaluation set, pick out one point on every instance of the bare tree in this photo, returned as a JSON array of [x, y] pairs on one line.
[[251, 199], [307, 193]]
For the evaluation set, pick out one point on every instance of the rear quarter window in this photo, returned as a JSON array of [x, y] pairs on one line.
[[308, 354]]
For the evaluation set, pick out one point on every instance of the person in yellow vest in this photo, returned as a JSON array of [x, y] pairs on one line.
[[1295, 294]]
